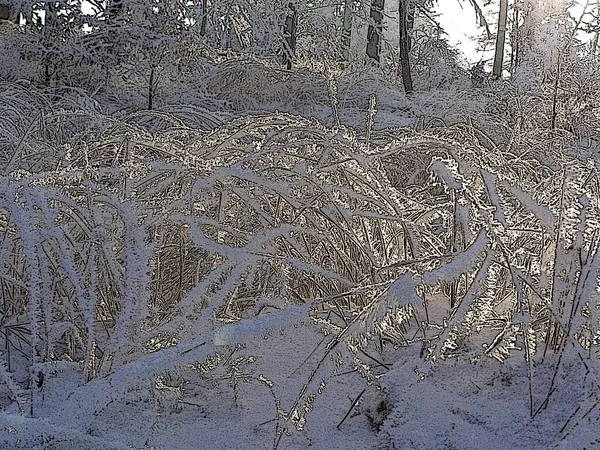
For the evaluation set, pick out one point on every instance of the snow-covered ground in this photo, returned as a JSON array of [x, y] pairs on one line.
[[451, 405]]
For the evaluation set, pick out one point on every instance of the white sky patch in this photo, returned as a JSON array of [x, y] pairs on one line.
[[458, 19], [86, 8]]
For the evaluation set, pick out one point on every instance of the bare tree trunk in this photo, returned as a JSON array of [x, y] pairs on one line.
[[289, 35], [375, 29], [500, 38], [51, 26], [347, 29], [411, 8], [151, 89], [404, 46], [514, 39], [204, 17], [594, 44]]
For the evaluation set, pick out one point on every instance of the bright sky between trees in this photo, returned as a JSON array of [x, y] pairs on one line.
[[458, 19]]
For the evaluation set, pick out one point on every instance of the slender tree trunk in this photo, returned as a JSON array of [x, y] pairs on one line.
[[375, 29], [151, 88], [410, 20], [204, 17], [500, 38], [49, 30], [347, 29], [514, 38], [595, 40], [289, 35], [555, 93], [404, 46]]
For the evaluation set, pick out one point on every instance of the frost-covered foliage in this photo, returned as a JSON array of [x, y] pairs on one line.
[[156, 261], [195, 238], [137, 54]]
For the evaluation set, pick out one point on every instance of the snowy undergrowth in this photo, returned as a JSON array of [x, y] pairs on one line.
[[278, 272]]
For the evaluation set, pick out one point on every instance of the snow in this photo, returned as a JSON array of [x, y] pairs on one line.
[[238, 269], [284, 376]]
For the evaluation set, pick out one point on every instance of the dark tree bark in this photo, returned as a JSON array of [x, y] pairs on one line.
[[404, 45], [347, 29], [500, 38], [375, 28], [514, 39], [289, 35], [410, 20], [204, 17], [151, 89]]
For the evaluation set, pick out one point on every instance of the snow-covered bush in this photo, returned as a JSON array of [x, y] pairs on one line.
[[162, 261]]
